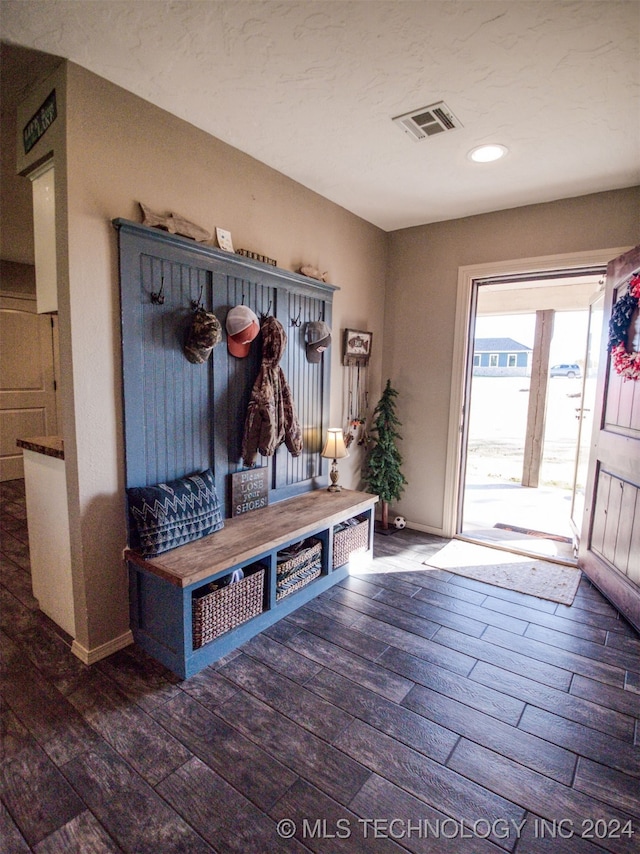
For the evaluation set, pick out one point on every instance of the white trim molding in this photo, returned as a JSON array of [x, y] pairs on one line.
[[466, 276], [90, 656]]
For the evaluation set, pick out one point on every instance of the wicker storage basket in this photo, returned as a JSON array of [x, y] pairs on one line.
[[347, 541], [299, 569], [223, 609]]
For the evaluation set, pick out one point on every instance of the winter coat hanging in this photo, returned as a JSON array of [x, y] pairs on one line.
[[271, 418]]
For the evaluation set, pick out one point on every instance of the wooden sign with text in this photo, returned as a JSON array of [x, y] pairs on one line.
[[249, 490]]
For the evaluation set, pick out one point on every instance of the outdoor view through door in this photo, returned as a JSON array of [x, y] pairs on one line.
[[529, 409]]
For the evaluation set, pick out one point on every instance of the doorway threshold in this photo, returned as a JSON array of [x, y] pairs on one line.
[[552, 548]]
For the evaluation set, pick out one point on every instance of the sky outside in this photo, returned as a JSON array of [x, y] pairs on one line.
[[569, 332]]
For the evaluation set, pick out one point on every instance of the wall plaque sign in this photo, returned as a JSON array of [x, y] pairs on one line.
[[249, 490], [40, 122]]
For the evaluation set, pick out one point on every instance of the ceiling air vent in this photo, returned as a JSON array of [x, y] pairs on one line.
[[428, 121]]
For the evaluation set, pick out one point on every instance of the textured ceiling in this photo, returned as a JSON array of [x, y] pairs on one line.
[[310, 88]]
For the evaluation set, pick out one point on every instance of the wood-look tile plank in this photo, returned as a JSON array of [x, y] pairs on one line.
[[427, 650], [81, 835], [435, 784], [360, 671], [561, 703], [12, 840], [485, 699], [613, 787], [534, 752], [548, 674], [378, 610], [334, 610], [35, 793], [325, 825], [392, 581], [55, 725], [16, 550], [289, 698], [427, 578], [209, 688], [282, 631], [281, 658], [44, 648], [420, 828], [606, 695], [350, 638], [307, 755], [139, 677], [608, 621], [584, 647], [451, 603], [624, 643], [129, 809], [220, 814], [543, 618], [502, 593], [428, 737], [130, 730], [245, 765], [582, 740], [546, 798], [564, 658]]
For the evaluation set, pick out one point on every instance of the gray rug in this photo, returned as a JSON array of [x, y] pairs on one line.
[[540, 578]]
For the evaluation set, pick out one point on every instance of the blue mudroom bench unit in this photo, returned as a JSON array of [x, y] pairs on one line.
[[182, 418]]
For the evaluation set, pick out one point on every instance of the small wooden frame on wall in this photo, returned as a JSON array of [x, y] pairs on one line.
[[356, 347]]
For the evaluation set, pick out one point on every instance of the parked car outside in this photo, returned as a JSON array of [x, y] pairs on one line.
[[565, 371]]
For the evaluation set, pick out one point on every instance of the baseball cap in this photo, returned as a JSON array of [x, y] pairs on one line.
[[242, 327], [203, 334], [318, 337]]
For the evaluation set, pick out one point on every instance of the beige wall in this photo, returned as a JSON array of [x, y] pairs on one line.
[[421, 308], [122, 150]]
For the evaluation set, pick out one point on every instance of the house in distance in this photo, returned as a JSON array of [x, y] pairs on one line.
[[501, 357]]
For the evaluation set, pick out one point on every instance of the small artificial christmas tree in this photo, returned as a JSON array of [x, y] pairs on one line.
[[381, 469]]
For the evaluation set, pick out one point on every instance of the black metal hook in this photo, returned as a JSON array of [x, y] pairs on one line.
[[297, 321], [197, 305], [157, 297], [265, 314]]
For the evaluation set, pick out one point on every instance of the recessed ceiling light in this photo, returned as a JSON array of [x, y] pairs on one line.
[[487, 153]]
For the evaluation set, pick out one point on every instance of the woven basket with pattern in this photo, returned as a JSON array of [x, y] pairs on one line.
[[217, 612], [350, 540], [298, 570]]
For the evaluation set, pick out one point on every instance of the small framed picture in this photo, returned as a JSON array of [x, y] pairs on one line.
[[357, 347], [224, 239]]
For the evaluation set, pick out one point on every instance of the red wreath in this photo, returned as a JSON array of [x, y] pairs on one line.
[[625, 363]]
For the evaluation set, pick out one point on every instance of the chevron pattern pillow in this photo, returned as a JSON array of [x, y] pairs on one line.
[[168, 515]]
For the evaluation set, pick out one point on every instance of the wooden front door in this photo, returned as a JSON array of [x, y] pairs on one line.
[[610, 543], [27, 387]]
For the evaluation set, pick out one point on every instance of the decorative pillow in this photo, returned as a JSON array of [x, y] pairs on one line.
[[170, 514]]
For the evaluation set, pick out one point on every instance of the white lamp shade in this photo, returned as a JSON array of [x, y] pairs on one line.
[[334, 446]]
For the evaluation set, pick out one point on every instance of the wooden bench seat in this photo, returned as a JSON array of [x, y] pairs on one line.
[[162, 587]]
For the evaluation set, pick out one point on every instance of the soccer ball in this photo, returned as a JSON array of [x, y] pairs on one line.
[[399, 522]]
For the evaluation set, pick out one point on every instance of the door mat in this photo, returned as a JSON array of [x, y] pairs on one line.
[[540, 578]]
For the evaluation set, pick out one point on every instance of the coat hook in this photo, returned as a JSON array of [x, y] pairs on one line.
[[197, 305], [157, 297], [297, 321], [265, 314]]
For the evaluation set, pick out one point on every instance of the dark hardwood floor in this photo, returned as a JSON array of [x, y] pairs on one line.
[[404, 710]]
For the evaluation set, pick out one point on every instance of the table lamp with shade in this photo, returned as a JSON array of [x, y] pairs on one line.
[[334, 449]]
